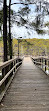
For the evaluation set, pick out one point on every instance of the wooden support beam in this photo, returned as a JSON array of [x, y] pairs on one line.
[[45, 65]]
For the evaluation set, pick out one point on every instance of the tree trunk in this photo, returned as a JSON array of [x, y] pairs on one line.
[[5, 29], [10, 39]]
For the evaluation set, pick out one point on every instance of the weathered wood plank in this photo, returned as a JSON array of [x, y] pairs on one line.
[[29, 90]]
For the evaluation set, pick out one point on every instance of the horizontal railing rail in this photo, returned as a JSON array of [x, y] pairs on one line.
[[8, 70], [42, 62]]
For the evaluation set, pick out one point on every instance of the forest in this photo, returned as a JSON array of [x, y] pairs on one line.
[[34, 47]]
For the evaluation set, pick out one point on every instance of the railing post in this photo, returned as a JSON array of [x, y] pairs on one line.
[[45, 65], [11, 66], [34, 61], [48, 66], [40, 59], [3, 74], [42, 63], [14, 65], [6, 71], [16, 62]]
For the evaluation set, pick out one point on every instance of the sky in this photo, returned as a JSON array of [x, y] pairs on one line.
[[22, 31]]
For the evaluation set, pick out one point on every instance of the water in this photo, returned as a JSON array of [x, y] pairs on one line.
[[0, 74], [0, 70], [47, 71]]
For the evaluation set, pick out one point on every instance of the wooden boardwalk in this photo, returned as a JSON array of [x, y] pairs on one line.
[[29, 90]]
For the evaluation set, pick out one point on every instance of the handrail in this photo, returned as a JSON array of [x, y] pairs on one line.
[[3, 65], [42, 62], [41, 57], [8, 69], [5, 77]]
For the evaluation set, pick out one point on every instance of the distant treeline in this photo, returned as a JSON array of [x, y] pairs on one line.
[[34, 47]]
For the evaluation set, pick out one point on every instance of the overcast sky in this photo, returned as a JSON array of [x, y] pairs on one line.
[[22, 31]]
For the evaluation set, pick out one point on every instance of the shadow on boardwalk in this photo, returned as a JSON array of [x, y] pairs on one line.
[[29, 90]]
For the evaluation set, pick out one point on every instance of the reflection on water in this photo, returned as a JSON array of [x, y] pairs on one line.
[[47, 71], [43, 67], [0, 74]]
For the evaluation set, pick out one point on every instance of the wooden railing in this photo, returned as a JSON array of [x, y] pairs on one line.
[[42, 62], [8, 70]]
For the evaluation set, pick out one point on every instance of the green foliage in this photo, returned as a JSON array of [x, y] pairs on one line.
[[1, 18], [40, 31], [47, 24], [24, 11], [1, 15], [1, 38], [23, 21]]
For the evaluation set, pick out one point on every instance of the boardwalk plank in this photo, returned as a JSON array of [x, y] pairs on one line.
[[29, 90]]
